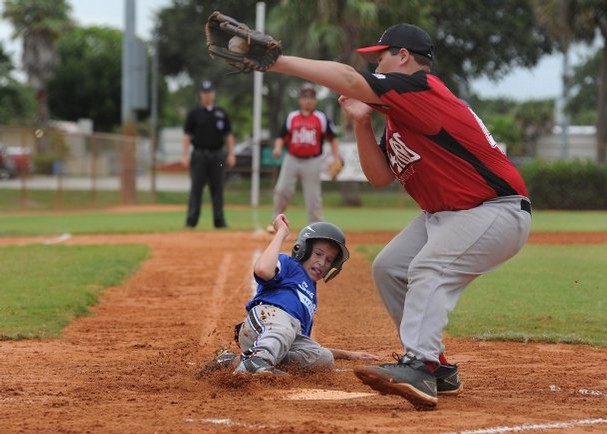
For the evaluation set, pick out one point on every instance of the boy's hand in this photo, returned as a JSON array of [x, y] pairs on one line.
[[353, 355], [361, 355], [281, 222]]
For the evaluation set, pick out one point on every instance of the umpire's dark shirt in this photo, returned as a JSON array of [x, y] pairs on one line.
[[207, 127]]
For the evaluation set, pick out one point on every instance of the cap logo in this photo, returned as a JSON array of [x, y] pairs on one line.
[[382, 37], [307, 234]]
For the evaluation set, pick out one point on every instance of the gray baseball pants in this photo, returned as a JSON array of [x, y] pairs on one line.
[[308, 170], [421, 273], [274, 335]]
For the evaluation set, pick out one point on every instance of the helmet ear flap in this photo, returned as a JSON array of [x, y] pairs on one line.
[[299, 250], [333, 272]]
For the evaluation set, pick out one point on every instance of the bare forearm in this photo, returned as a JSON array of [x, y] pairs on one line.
[[185, 154], [186, 146], [352, 355], [372, 159], [339, 77], [230, 143], [265, 266], [335, 148]]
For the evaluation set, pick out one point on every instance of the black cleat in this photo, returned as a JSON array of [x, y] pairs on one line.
[[447, 380], [409, 378]]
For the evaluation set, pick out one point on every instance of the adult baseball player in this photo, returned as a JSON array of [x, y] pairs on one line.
[[475, 211]]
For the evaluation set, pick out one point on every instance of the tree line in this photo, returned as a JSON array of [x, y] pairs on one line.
[[75, 72]]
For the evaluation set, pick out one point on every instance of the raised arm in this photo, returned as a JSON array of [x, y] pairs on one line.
[[339, 77], [265, 266]]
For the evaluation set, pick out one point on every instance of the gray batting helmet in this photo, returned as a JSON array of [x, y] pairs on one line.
[[302, 249]]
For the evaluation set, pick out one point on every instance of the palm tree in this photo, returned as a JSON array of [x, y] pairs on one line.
[[39, 23], [571, 21]]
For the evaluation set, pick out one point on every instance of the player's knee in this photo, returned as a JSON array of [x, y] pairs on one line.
[[380, 268]]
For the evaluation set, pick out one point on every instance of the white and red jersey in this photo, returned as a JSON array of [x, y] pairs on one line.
[[304, 135], [439, 150]]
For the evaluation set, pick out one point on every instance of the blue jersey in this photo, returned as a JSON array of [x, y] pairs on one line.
[[291, 289]]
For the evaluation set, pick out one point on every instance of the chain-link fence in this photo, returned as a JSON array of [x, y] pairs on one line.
[[55, 158], [101, 170]]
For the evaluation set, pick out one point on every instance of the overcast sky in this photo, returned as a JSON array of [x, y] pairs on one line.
[[544, 81]]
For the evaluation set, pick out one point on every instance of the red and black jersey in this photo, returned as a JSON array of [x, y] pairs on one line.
[[304, 135], [437, 147]]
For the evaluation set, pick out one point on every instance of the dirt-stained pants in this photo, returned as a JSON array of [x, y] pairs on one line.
[[274, 335]]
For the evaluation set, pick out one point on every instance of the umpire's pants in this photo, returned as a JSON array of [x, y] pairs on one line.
[[206, 167]]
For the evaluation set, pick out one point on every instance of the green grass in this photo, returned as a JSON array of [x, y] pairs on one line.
[[236, 193], [569, 221], [246, 218], [45, 200], [545, 293], [44, 287], [239, 218]]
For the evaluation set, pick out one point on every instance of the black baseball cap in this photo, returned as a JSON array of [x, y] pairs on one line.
[[402, 35], [206, 86]]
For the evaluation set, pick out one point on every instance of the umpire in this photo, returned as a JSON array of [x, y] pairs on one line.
[[207, 128]]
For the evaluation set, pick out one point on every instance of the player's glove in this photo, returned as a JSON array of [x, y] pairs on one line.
[[335, 168], [238, 45]]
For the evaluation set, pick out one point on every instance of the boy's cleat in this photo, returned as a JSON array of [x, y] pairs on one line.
[[223, 359], [256, 365]]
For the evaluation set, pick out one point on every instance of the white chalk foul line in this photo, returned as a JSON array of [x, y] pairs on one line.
[[592, 392], [230, 422], [217, 293], [61, 238], [541, 426]]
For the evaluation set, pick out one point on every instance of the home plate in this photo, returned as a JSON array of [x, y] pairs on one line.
[[324, 395]]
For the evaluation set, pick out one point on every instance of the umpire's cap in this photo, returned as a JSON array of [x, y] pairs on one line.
[[207, 86], [402, 35]]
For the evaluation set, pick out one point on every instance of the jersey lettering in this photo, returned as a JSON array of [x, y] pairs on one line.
[[485, 130], [399, 154], [304, 288], [305, 298], [304, 136]]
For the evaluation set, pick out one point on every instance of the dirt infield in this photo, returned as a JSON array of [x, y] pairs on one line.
[[131, 366]]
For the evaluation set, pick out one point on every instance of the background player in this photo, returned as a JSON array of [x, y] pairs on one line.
[[475, 213], [303, 133]]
